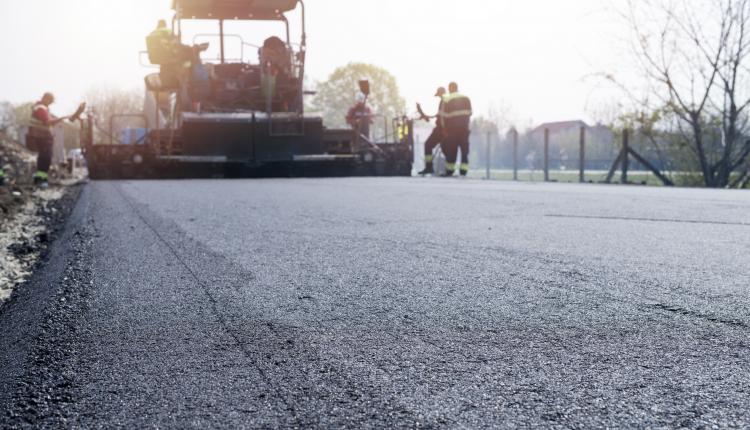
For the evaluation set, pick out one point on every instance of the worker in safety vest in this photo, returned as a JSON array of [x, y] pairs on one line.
[[456, 116], [436, 137], [39, 137], [403, 129], [176, 60], [164, 46]]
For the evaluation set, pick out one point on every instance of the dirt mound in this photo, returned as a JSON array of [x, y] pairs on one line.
[[18, 163]]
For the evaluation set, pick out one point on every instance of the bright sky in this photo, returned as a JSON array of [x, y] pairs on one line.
[[533, 56]]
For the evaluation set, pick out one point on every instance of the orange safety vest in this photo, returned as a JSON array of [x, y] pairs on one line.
[[39, 129]]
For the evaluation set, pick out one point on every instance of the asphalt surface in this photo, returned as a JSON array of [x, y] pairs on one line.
[[386, 303]]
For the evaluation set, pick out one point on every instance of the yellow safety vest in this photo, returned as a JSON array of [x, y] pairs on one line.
[[455, 112], [163, 46]]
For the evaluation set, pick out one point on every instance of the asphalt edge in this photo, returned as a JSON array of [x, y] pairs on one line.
[[26, 318]]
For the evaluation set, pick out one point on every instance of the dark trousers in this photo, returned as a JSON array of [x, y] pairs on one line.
[[363, 126], [435, 139], [454, 141], [43, 147]]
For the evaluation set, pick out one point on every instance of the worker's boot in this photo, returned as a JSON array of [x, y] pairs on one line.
[[464, 169], [41, 179], [428, 170], [448, 174]]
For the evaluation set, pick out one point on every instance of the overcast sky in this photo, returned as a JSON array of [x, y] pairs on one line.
[[533, 56]]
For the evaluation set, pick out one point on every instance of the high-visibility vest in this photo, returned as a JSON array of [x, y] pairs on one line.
[[456, 112], [37, 128], [402, 131], [163, 46]]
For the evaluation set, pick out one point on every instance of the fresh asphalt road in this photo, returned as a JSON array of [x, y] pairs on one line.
[[356, 303]]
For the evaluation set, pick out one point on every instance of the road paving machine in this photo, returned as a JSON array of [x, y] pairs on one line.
[[241, 114]]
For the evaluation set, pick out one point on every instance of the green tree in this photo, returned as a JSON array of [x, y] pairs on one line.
[[337, 94]]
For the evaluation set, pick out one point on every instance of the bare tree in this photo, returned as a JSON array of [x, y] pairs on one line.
[[695, 54], [108, 102]]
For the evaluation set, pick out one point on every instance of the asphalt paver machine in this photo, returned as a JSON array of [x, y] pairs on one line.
[[238, 117]]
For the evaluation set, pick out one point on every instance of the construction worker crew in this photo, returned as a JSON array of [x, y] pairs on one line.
[[436, 137], [456, 115], [40, 137]]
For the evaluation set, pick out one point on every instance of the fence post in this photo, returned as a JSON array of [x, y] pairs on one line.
[[582, 173], [546, 155], [489, 154], [416, 155], [625, 155], [385, 126], [515, 154]]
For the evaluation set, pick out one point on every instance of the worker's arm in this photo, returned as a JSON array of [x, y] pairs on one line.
[[43, 115], [54, 121], [423, 116]]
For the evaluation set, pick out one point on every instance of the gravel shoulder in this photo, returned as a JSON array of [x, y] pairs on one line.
[[36, 247], [34, 218]]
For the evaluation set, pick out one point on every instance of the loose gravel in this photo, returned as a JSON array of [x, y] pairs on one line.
[[24, 235]]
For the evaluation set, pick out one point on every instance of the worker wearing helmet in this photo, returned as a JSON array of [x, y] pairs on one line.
[[436, 137], [456, 115], [39, 137]]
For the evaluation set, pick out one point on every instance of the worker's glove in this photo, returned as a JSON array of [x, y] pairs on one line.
[[422, 115], [77, 115]]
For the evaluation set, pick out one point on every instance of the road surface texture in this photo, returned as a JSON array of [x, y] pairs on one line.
[[386, 303]]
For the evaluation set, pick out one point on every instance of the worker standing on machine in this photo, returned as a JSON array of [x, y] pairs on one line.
[[360, 117], [436, 137], [175, 59], [456, 115], [40, 139]]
